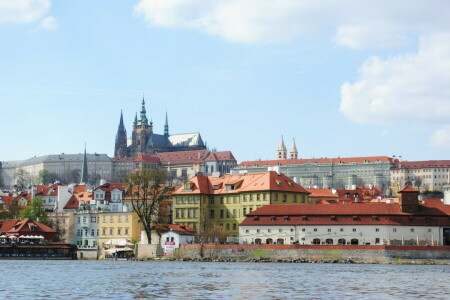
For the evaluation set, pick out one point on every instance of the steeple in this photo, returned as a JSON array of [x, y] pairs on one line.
[[135, 120], [84, 171], [282, 151], [294, 151], [143, 119], [166, 127], [120, 149]]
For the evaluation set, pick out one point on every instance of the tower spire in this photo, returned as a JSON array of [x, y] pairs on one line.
[[144, 120], [120, 149], [282, 151], [294, 151], [84, 171], [166, 126]]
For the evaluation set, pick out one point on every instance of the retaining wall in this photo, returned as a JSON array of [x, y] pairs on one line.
[[380, 254]]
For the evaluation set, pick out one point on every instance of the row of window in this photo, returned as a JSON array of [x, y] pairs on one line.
[[119, 231], [328, 230], [95, 219]]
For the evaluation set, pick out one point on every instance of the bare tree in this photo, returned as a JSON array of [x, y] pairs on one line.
[[73, 176], [22, 179], [146, 191]]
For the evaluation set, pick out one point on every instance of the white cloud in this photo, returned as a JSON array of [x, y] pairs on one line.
[[352, 23], [22, 11], [441, 138], [405, 89], [48, 23]]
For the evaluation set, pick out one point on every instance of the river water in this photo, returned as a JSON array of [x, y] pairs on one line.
[[193, 280]]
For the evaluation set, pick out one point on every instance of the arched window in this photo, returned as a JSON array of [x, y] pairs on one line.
[[354, 242], [316, 241], [269, 241], [258, 241], [329, 241], [280, 241], [341, 242]]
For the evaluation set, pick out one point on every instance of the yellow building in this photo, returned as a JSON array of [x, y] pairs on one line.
[[116, 227], [227, 199]]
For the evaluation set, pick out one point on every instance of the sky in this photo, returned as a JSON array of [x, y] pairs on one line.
[[343, 78]]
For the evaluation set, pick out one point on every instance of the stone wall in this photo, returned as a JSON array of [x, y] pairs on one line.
[[87, 253], [144, 251], [381, 254]]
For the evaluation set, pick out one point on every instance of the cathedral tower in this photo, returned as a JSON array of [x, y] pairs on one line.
[[141, 132], [282, 151], [121, 140], [294, 151]]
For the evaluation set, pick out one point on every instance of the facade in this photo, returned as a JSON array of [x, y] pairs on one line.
[[226, 200], [86, 229], [117, 227], [66, 168], [326, 173], [408, 222], [176, 236], [424, 175], [145, 141]]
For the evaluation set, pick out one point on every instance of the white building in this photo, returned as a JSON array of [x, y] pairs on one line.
[[177, 235], [407, 222]]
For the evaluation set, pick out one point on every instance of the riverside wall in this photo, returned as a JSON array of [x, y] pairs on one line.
[[366, 253]]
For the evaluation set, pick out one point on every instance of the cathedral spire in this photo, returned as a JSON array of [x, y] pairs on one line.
[[84, 171], [166, 126], [144, 120], [120, 149], [135, 120]]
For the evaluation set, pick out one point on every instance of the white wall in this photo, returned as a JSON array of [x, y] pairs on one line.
[[364, 233]]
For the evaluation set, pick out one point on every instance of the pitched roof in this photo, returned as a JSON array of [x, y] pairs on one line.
[[358, 208], [181, 229], [408, 188], [267, 181], [182, 156], [108, 187], [422, 164], [322, 193], [339, 160]]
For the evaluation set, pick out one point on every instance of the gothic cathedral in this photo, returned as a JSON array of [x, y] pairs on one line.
[[144, 141]]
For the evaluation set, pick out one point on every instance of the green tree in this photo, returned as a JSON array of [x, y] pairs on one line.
[[43, 177], [36, 212], [146, 191]]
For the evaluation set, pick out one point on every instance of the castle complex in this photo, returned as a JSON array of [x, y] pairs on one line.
[[145, 141]]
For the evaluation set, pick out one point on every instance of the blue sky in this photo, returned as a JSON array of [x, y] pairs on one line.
[[344, 78]]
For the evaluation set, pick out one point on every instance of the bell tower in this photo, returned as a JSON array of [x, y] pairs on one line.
[[282, 151], [141, 131]]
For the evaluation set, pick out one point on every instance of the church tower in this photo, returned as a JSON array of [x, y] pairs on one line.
[[294, 151], [282, 151], [141, 132], [84, 170], [121, 140]]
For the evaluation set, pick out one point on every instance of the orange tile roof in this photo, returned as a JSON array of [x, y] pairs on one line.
[[408, 188], [268, 181], [359, 213], [321, 193], [422, 164], [339, 160]]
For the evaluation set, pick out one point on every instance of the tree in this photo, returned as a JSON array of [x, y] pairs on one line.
[[36, 212], [146, 191], [94, 179], [43, 177], [73, 176], [22, 178]]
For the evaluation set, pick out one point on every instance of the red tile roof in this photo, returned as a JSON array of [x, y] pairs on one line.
[[339, 160], [182, 229], [147, 158], [268, 181], [25, 227], [346, 214], [408, 188], [322, 193], [47, 190], [422, 164], [182, 156]]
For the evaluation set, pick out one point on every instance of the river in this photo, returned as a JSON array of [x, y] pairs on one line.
[[193, 280]]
